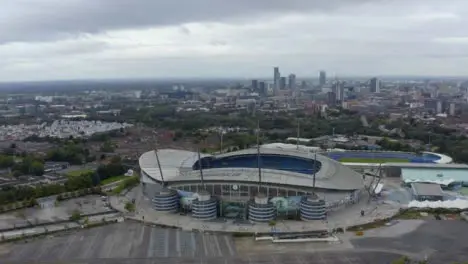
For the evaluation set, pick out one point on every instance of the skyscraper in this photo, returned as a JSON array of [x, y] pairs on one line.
[[338, 90], [292, 82], [322, 78], [276, 79], [374, 85], [452, 109], [331, 98], [255, 85], [262, 88], [282, 83], [439, 107]]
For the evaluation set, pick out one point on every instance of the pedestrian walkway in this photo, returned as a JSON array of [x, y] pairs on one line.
[[344, 218]]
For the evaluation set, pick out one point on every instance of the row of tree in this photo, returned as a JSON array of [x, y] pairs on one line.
[[22, 165], [70, 152], [387, 144], [112, 169], [27, 193]]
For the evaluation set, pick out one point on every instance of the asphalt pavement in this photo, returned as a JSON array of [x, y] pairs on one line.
[[123, 241], [440, 241]]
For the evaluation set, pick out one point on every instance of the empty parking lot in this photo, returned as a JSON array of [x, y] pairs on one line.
[[126, 240], [440, 241], [135, 243]]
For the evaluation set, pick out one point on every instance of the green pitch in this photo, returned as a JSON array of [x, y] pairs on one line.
[[371, 160]]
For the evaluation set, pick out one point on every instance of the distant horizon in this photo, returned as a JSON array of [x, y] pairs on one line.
[[170, 79]]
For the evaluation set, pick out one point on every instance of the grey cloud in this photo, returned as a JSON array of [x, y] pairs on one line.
[[185, 30], [218, 43], [55, 19]]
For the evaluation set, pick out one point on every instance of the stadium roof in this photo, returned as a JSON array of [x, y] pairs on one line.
[[176, 166], [435, 174], [427, 189]]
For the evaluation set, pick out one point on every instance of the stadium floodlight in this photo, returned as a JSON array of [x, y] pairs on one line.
[[157, 160], [258, 156]]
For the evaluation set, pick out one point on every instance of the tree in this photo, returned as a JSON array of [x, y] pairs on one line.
[[107, 146], [37, 168], [6, 161], [69, 152], [129, 206], [75, 216], [81, 182], [114, 168]]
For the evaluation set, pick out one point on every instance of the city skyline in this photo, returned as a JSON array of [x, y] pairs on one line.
[[231, 39]]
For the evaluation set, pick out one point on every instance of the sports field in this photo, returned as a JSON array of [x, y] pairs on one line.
[[381, 157], [373, 160]]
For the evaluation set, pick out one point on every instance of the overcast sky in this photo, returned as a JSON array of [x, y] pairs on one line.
[[88, 39]]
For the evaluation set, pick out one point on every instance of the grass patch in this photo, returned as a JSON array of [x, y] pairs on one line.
[[76, 173], [410, 215], [371, 225], [129, 182], [464, 191], [113, 179], [373, 160]]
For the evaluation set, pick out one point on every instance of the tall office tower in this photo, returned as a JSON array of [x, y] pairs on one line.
[[439, 107], [262, 88], [338, 90], [375, 85], [322, 78], [255, 85], [435, 92], [276, 79], [452, 109], [331, 98], [282, 83], [292, 82], [342, 91]]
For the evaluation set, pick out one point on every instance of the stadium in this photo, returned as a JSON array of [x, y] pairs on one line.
[[258, 185]]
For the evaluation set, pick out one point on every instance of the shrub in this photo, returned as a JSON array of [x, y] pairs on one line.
[[75, 216]]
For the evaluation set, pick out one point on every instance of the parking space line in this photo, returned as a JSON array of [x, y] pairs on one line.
[[229, 245], [194, 244], [351, 260], [204, 244], [166, 243], [322, 259], [150, 249], [90, 245], [218, 248], [179, 253], [109, 252], [43, 248], [70, 240], [300, 259], [17, 254]]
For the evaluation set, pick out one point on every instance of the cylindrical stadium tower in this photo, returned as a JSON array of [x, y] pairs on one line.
[[205, 207], [166, 200], [260, 209], [313, 208]]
